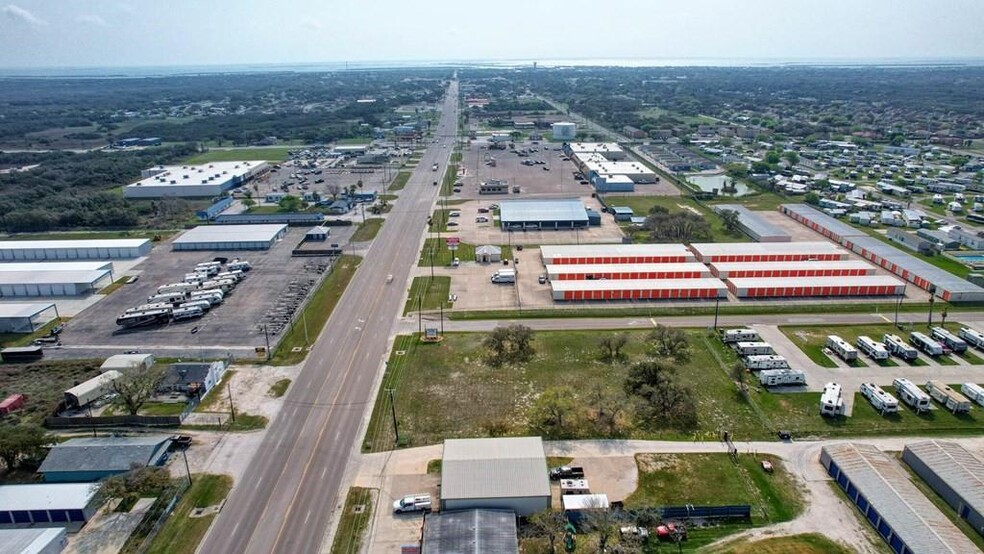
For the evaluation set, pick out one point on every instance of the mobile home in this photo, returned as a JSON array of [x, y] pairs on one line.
[[898, 347], [781, 377], [953, 400], [912, 395], [831, 403], [180, 314], [842, 348], [753, 348], [739, 335], [176, 287], [882, 401], [872, 348], [948, 339], [767, 361], [926, 344]]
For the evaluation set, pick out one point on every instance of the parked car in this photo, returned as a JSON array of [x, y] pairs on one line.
[[452, 224], [483, 210], [412, 503], [481, 219], [542, 279]]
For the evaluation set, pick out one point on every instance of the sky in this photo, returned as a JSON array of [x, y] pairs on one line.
[[107, 33]]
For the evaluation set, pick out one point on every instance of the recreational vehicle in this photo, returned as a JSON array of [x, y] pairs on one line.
[[926, 344], [912, 395], [753, 348], [948, 339], [882, 401], [739, 335], [187, 313], [953, 400], [842, 348], [239, 265], [831, 403], [171, 298], [898, 347], [781, 377], [872, 348], [767, 361], [144, 318], [972, 337], [974, 392], [176, 287]]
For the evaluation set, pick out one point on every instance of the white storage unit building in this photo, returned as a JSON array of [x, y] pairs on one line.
[[498, 474], [639, 289], [97, 249], [570, 254], [86, 392], [26, 317], [832, 268], [44, 540], [711, 252], [230, 237], [40, 282], [687, 270], [47, 504], [122, 362], [793, 287], [881, 490]]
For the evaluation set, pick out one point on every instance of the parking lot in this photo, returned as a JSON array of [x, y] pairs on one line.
[[234, 327], [296, 180], [554, 177]]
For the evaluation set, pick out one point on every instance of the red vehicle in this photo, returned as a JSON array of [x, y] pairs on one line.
[[11, 403]]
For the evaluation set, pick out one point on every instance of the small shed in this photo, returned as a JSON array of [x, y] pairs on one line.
[[123, 362], [622, 213], [470, 532], [94, 458], [318, 234], [488, 254]]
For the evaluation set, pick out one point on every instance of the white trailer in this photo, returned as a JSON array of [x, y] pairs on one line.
[[882, 401], [972, 337], [974, 392], [225, 285], [948, 339], [842, 348], [239, 265], [898, 347], [951, 399], [915, 397], [187, 313], [208, 271], [234, 275], [739, 335], [872, 348], [831, 403], [926, 344], [171, 298], [205, 305], [208, 292], [781, 377], [144, 307], [767, 361], [176, 287], [753, 348], [196, 278]]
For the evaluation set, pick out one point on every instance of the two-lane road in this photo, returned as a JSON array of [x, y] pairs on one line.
[[285, 499]]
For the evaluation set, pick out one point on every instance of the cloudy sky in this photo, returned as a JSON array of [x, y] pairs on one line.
[[78, 33]]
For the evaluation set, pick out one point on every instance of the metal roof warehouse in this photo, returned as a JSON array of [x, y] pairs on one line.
[[857, 285], [708, 252], [47, 503], [954, 473], [628, 271], [887, 498], [193, 180], [25, 317], [470, 532], [230, 237], [52, 283], [615, 254], [820, 268], [96, 249], [499, 473], [542, 214], [93, 458], [639, 289], [754, 225]]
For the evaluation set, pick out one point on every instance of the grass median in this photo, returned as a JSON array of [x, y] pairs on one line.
[[181, 533], [400, 181], [368, 229], [428, 293], [316, 312], [356, 516]]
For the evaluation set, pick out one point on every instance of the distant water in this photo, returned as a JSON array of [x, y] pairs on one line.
[[164, 70]]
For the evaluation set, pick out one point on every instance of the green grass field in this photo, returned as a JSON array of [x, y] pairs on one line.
[[271, 154], [642, 204], [428, 293], [400, 181], [279, 388], [181, 534], [356, 516], [368, 229], [443, 256], [43, 383], [807, 543], [317, 311]]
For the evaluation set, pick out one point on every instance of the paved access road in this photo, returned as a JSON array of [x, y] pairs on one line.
[[284, 501]]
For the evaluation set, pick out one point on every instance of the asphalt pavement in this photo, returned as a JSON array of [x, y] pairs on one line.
[[285, 500]]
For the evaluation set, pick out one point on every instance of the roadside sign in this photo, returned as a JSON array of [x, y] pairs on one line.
[[452, 241]]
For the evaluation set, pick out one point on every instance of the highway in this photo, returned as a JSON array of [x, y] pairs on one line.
[[284, 501]]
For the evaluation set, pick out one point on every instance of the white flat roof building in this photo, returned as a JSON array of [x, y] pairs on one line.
[[56, 266], [768, 251], [96, 249], [25, 317], [49, 540], [609, 150], [230, 237], [615, 253], [45, 500], [600, 165], [203, 180], [499, 473], [40, 282]]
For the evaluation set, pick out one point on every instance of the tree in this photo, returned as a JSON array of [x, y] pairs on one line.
[[669, 342], [509, 344], [24, 441], [738, 374], [736, 170], [548, 524], [249, 202], [611, 346], [334, 190], [681, 226], [791, 156], [812, 198], [139, 482], [660, 398], [730, 220], [290, 203], [605, 411], [137, 384], [553, 413], [603, 522], [772, 157]]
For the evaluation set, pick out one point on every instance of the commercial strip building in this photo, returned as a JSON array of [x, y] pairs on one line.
[[754, 225], [607, 166], [93, 458], [45, 540], [96, 249], [569, 254], [230, 237], [687, 270], [883, 493], [26, 317], [193, 181], [499, 474], [298, 219], [567, 213], [713, 252], [954, 473], [48, 503], [832, 268], [639, 289], [947, 286], [793, 287]]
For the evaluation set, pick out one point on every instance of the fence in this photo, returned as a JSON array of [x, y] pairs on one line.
[[143, 535], [738, 511], [86, 422]]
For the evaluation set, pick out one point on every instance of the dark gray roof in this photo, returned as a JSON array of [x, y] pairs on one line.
[[954, 465], [104, 453], [185, 374], [831, 224], [471, 531], [755, 225], [494, 468]]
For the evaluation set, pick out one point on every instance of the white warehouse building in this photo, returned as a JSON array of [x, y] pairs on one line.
[[101, 249], [564, 130], [57, 282], [230, 237], [191, 181], [499, 474]]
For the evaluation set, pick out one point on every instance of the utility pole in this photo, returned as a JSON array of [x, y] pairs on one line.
[[267, 337], [717, 309], [187, 469], [899, 304], [232, 408], [396, 429], [304, 319]]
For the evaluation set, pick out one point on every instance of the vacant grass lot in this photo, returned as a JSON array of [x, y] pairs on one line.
[[317, 311], [714, 479], [44, 383], [368, 230], [428, 293], [25, 339], [273, 154], [180, 533], [642, 204], [356, 516], [807, 543], [811, 339]]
